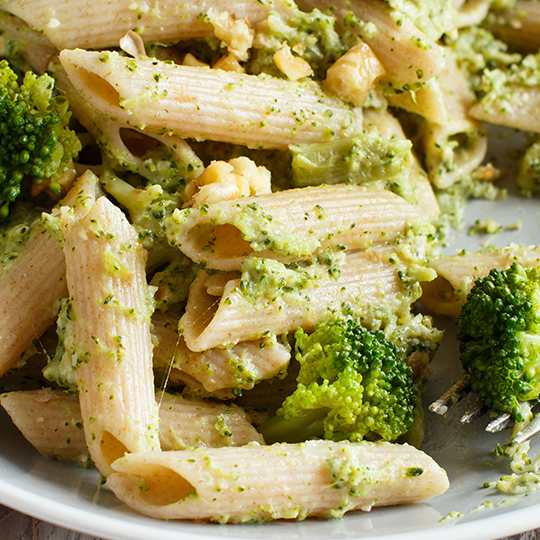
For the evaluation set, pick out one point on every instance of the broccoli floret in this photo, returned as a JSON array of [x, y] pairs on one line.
[[499, 335], [351, 385], [36, 140]]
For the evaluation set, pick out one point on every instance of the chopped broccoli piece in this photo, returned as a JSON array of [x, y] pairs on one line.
[[351, 385], [356, 160], [499, 335], [36, 140]]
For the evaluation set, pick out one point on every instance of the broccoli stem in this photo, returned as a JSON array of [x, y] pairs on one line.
[[296, 429], [358, 159]]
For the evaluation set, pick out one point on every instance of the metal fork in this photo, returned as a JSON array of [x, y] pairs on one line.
[[478, 408]]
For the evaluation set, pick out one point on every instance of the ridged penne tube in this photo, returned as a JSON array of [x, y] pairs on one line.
[[456, 147], [290, 225], [519, 27], [108, 336], [239, 367], [201, 103], [367, 281], [471, 12], [427, 101], [512, 105], [32, 283], [125, 144], [456, 275], [317, 478], [408, 56], [388, 126], [51, 421], [95, 25]]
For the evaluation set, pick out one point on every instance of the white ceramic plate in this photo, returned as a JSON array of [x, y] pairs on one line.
[[66, 495]]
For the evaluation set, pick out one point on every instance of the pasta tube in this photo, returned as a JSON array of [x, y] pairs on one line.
[[35, 279], [51, 421], [457, 274], [367, 281], [290, 225], [201, 103], [317, 478], [108, 336], [95, 25], [407, 55], [239, 367]]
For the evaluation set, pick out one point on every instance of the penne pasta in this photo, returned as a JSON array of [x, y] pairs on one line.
[[317, 478], [240, 367], [446, 160], [408, 56], [368, 282], [95, 25], [290, 225], [108, 337], [202, 103], [51, 421], [35, 279], [456, 275]]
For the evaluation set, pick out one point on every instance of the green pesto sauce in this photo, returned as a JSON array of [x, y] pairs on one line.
[[270, 279], [15, 236], [432, 18]]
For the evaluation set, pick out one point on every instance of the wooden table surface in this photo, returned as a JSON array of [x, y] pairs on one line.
[[17, 526]]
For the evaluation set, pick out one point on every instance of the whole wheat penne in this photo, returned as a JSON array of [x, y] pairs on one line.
[[95, 25], [427, 101], [124, 144], [519, 26], [290, 225], [51, 421], [35, 279], [457, 274], [388, 126], [368, 281], [446, 160], [317, 478], [408, 56], [513, 106], [108, 337], [201, 103], [239, 367]]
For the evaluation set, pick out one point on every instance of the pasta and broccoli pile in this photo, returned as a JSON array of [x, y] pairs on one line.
[[217, 221]]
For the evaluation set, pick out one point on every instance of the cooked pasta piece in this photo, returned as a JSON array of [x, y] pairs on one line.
[[33, 281], [456, 147], [51, 421], [107, 338], [127, 146], [471, 12], [388, 126], [194, 102], [427, 101], [95, 25], [456, 274], [239, 367], [368, 281], [519, 27], [407, 55], [290, 225], [317, 478]]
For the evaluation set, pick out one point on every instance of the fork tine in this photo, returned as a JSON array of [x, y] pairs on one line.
[[530, 430], [475, 411], [454, 394], [501, 422]]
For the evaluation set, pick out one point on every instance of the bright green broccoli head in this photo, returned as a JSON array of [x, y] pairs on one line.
[[36, 140], [499, 334], [352, 385]]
